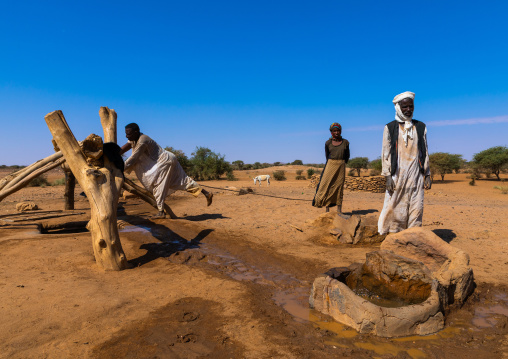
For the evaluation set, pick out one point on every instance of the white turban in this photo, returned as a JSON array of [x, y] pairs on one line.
[[402, 96], [399, 116]]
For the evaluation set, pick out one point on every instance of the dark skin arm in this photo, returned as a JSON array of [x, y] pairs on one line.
[[125, 148]]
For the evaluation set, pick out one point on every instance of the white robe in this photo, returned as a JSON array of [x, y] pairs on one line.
[[404, 207], [158, 170]]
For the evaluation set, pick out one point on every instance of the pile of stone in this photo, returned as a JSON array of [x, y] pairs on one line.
[[375, 184]]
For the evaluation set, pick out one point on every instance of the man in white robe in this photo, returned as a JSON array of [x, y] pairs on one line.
[[157, 169], [405, 160]]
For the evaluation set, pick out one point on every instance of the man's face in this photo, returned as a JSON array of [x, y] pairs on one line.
[[407, 107], [131, 134]]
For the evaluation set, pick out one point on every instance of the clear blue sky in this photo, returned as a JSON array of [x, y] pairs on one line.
[[254, 80]]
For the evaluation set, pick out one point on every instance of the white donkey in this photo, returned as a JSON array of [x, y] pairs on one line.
[[262, 178]]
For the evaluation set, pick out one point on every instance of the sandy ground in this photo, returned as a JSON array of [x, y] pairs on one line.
[[232, 280]]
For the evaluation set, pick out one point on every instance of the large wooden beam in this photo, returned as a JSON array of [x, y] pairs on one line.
[[102, 187]]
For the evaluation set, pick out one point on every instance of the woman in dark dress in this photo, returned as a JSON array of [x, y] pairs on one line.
[[330, 189]]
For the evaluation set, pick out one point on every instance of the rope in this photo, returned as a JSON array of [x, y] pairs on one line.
[[258, 194]]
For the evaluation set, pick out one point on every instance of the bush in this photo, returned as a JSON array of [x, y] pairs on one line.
[[299, 172], [231, 176], [40, 181], [375, 172], [310, 172], [58, 182], [301, 177], [472, 182], [358, 163], [257, 166], [207, 165], [181, 157], [503, 189], [279, 175], [297, 162]]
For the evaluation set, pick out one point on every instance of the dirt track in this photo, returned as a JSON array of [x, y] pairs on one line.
[[232, 280]]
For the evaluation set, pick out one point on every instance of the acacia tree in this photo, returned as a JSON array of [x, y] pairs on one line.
[[238, 164], [444, 163], [358, 163], [492, 159]]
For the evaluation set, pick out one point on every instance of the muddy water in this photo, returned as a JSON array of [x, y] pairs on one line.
[[292, 294]]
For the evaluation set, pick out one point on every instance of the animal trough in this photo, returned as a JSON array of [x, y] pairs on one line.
[[394, 294]]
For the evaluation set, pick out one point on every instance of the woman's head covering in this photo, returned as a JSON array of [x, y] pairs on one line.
[[335, 124]]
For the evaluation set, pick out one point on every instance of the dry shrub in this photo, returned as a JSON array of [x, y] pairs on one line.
[[279, 175], [301, 177], [40, 181]]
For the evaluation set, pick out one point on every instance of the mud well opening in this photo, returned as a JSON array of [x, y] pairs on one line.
[[62, 228]]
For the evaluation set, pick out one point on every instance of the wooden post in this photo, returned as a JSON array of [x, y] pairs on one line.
[[70, 185], [102, 187]]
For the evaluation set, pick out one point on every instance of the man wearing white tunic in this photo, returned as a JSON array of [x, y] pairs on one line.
[[158, 170], [405, 160]]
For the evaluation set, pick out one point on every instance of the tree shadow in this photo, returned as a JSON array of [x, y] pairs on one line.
[[446, 235], [204, 217], [170, 242], [363, 212]]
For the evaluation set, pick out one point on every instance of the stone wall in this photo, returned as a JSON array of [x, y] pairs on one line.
[[376, 184]]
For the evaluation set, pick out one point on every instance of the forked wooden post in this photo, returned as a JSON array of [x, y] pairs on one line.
[[101, 185]]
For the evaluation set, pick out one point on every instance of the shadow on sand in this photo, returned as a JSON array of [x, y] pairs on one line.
[[446, 235]]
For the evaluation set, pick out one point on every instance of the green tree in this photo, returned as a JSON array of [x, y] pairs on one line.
[[297, 162], [358, 163], [181, 157], [257, 165], [238, 164], [376, 164], [208, 165], [492, 160], [443, 163], [277, 164], [247, 166]]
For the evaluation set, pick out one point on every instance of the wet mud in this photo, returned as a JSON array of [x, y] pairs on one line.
[[280, 292]]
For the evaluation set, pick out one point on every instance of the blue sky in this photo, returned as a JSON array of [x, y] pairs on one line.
[[254, 80]]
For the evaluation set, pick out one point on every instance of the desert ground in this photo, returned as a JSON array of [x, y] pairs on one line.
[[232, 280]]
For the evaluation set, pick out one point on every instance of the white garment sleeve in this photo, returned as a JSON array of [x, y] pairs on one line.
[[386, 156], [426, 166], [131, 161]]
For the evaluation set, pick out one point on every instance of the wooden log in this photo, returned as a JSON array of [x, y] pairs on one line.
[[102, 187], [13, 178], [146, 196], [108, 121], [70, 185], [24, 179]]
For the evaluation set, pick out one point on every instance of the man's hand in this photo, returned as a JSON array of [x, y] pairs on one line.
[[427, 182], [390, 185]]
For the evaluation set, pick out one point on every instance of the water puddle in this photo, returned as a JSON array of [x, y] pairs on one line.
[[383, 302], [142, 229]]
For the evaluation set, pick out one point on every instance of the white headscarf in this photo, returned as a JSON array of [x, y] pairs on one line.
[[401, 118]]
